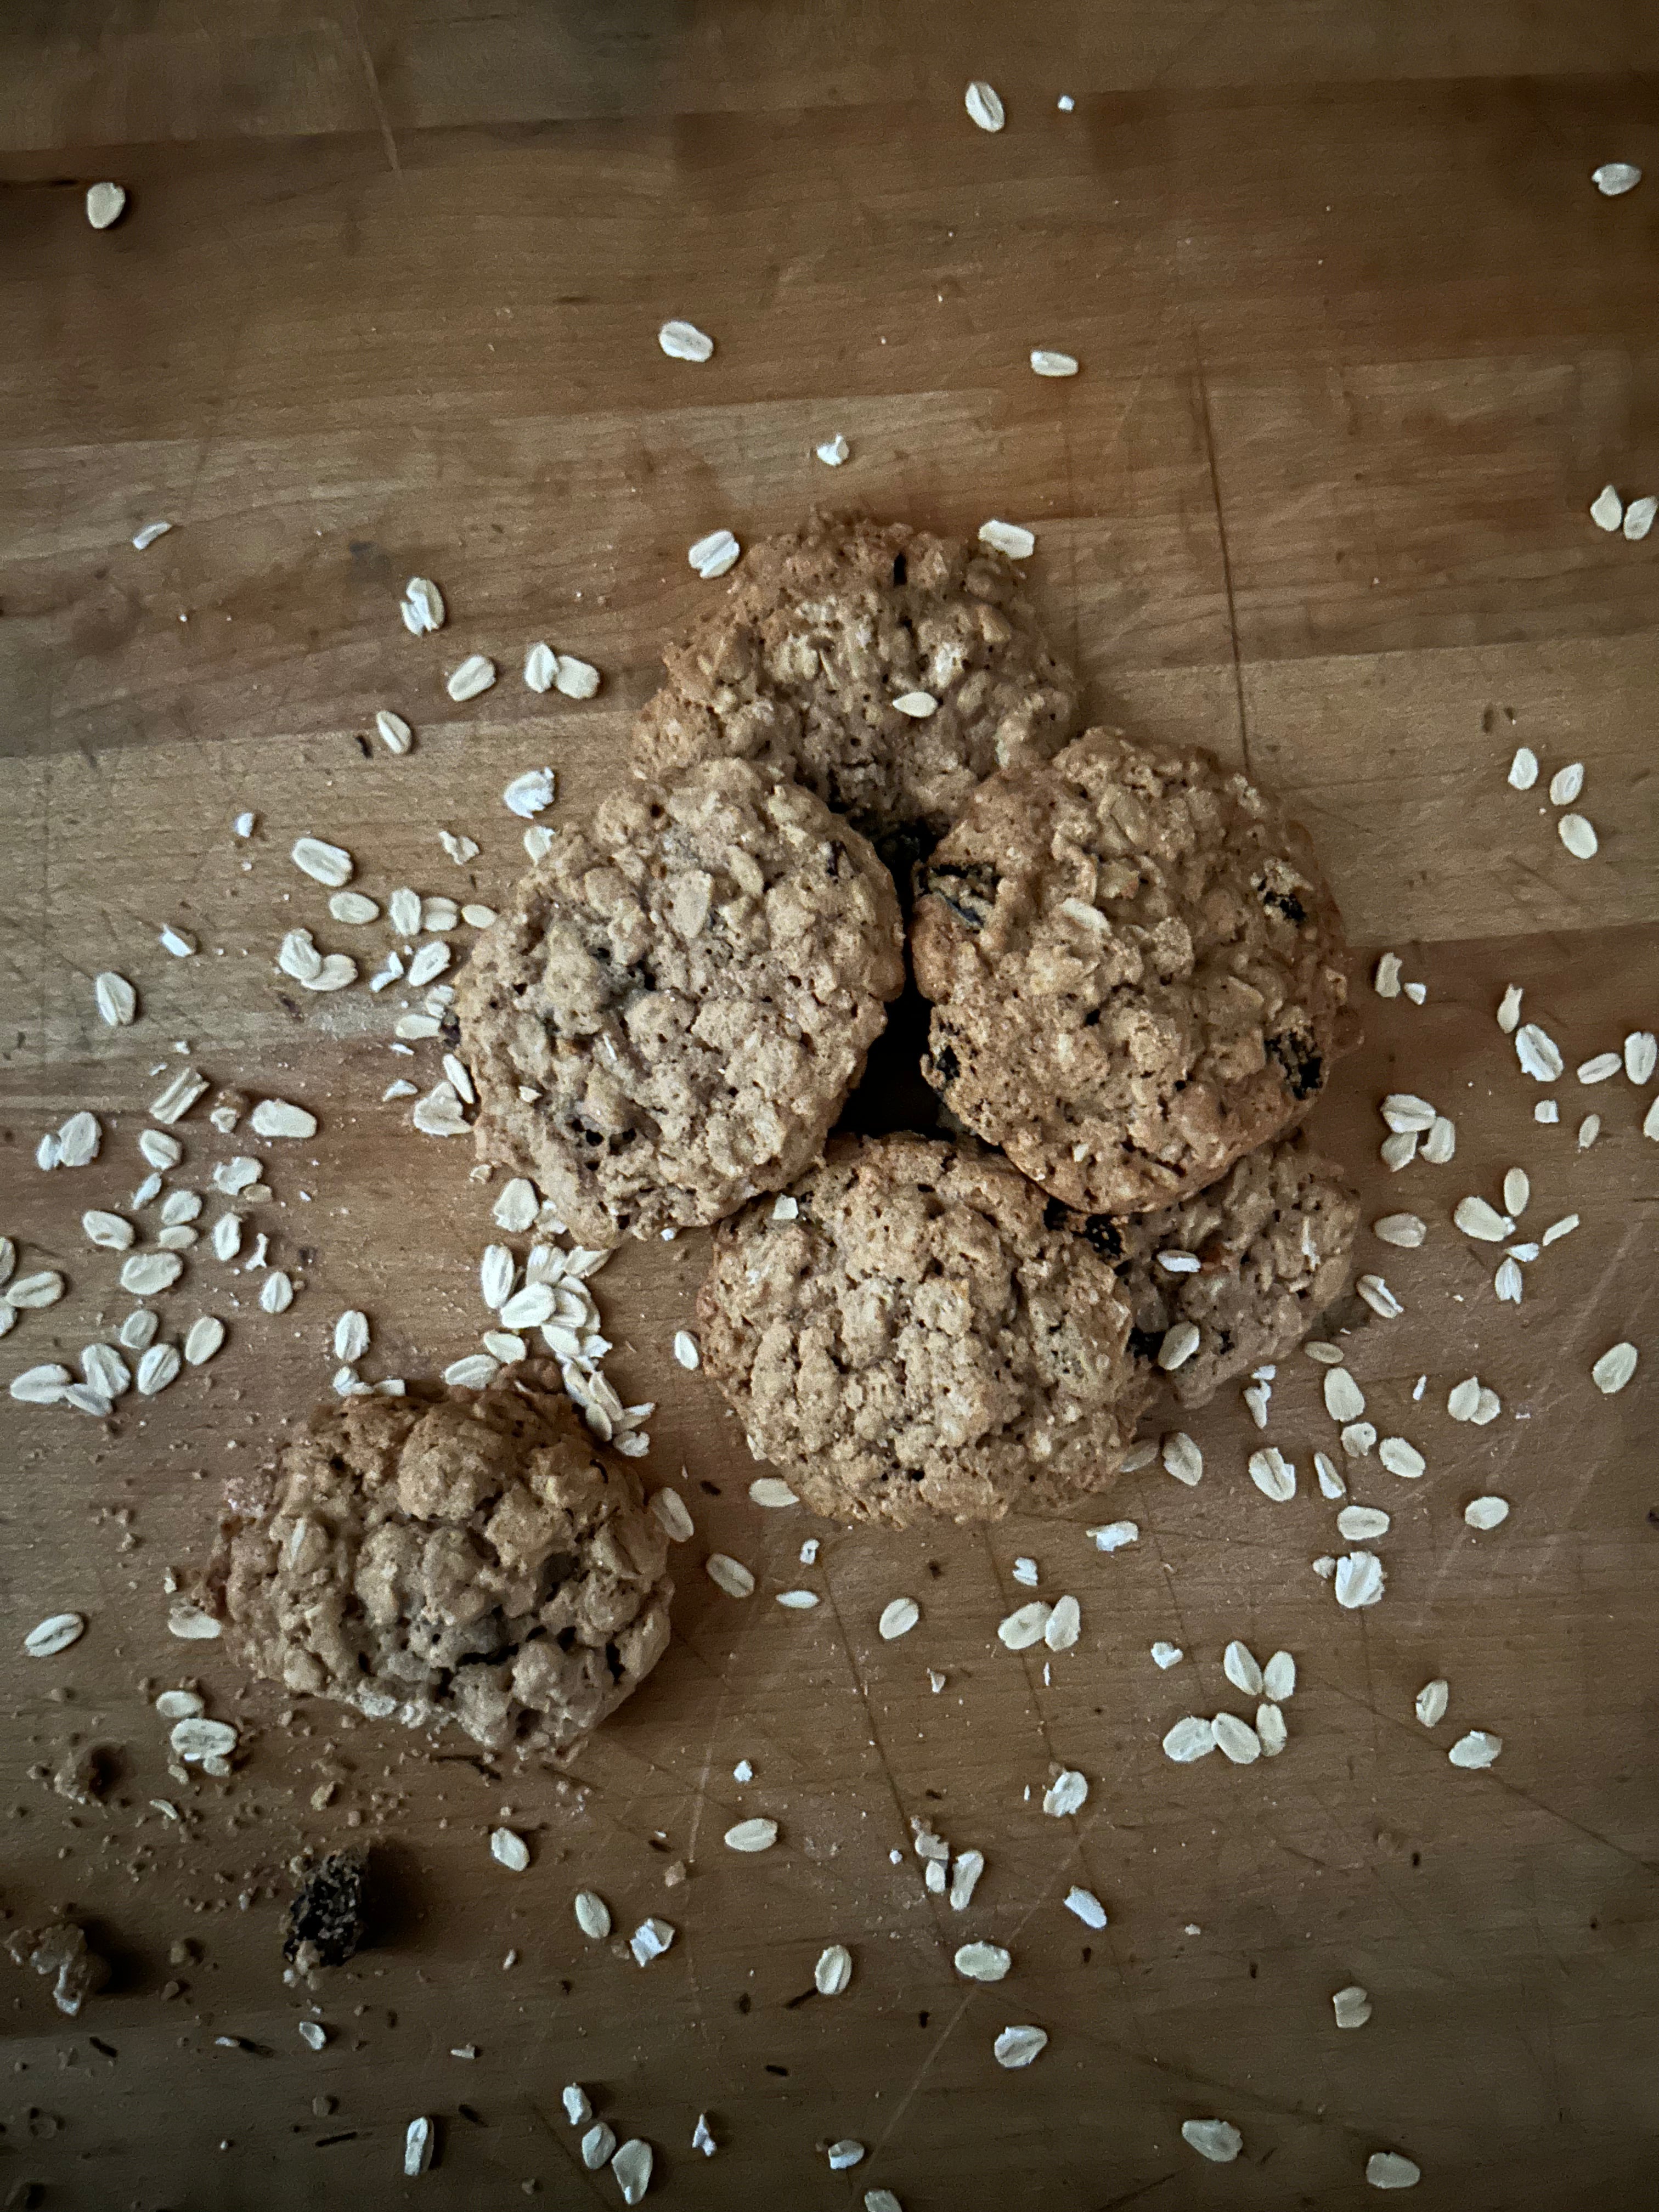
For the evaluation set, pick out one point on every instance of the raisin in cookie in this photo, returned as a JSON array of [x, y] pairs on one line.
[[1250, 1263], [1136, 971], [668, 1016], [902, 1335], [801, 665], [480, 1560]]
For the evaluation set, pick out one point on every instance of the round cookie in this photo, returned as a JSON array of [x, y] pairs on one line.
[[1136, 971], [799, 665], [902, 1336], [669, 1016], [479, 1559], [1271, 1240]]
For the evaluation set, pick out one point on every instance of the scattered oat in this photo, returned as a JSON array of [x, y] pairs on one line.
[[1359, 1524], [1401, 1458], [845, 2153], [1011, 539], [833, 1972], [1478, 1748], [1614, 1369], [191, 1626], [1359, 1580], [1441, 1143], [203, 1338], [899, 1619], [1508, 1283], [1385, 976], [592, 1917], [631, 2164], [714, 554], [1018, 2047], [1237, 1740], [195, 1739], [1272, 1475], [54, 1634], [146, 1275], [509, 1849], [1045, 362], [1190, 1739], [423, 609], [419, 2140], [598, 2144], [1477, 1218], [276, 1293], [1566, 784], [1344, 1398], [439, 1113], [727, 1574], [328, 865], [475, 676], [1611, 180], [1181, 1457], [1166, 1654], [529, 795], [983, 1962], [105, 203], [1331, 1484], [917, 705], [1024, 1627], [1379, 1297], [834, 450], [669, 1509], [1538, 1052], [279, 1117], [771, 1491], [964, 1879], [685, 342], [1641, 1055], [1392, 2169], [1578, 835], [1352, 2006], [1241, 1668], [1523, 768], [650, 1940], [1607, 508], [1064, 1625], [1487, 1512], [1066, 1794], [983, 106], [1219, 2140]]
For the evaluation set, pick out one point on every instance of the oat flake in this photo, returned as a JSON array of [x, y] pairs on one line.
[[1352, 2006], [1359, 1580], [983, 1962], [1431, 1702], [1614, 1368], [1392, 2169], [1578, 835], [1190, 1739], [712, 556], [1010, 539], [983, 106], [1066, 1794], [1241, 1668], [1018, 2047], [1024, 1627], [1272, 1474], [685, 342], [899, 1619], [1183, 1457], [1219, 2140], [729, 1575]]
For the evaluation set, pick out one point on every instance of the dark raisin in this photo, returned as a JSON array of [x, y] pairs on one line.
[[1056, 1215], [326, 1914], [1300, 1059], [969, 891], [1144, 1343], [1100, 1233], [901, 569], [946, 1065], [837, 854]]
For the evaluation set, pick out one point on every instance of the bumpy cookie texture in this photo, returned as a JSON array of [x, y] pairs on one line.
[[1272, 1241], [799, 664], [907, 1338], [669, 1016], [1136, 970], [478, 1560]]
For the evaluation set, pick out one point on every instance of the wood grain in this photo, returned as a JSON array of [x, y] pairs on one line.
[[1359, 344]]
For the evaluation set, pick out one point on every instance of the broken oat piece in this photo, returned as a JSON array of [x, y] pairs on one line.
[[475, 1556], [60, 1951]]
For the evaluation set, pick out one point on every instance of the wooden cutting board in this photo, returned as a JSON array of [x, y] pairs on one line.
[[1359, 344]]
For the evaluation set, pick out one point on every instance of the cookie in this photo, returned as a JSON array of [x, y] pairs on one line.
[[1251, 1262], [667, 1018], [800, 666], [479, 1559], [1136, 971], [903, 1336]]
